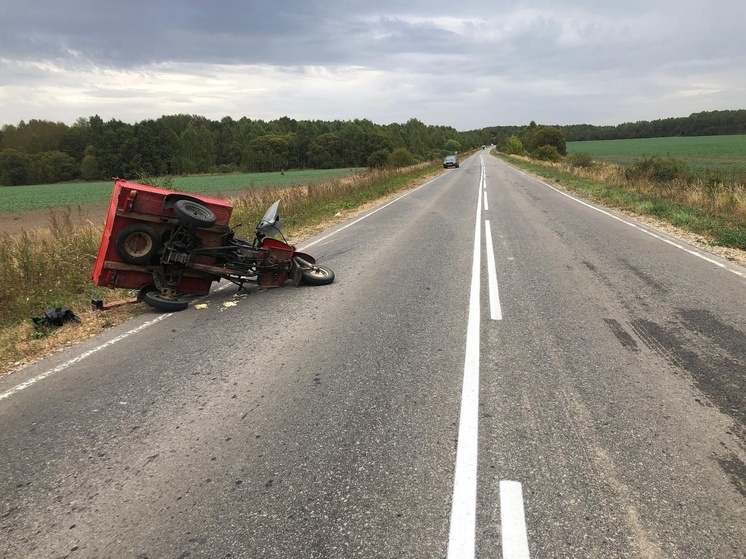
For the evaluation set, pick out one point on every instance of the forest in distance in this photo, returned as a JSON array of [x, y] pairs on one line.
[[44, 152]]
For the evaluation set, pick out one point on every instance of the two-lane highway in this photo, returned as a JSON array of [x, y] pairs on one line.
[[498, 370], [614, 386]]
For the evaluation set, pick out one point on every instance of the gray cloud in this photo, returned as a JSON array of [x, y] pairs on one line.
[[468, 65]]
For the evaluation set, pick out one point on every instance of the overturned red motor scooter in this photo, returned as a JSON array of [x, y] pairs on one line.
[[169, 245]]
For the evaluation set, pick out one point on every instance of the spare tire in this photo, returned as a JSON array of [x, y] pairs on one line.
[[194, 213], [137, 243]]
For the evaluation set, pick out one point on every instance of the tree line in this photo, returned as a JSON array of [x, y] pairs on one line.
[[44, 152], [540, 142], [709, 123]]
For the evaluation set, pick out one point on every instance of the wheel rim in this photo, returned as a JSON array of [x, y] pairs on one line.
[[317, 273], [199, 211], [138, 244]]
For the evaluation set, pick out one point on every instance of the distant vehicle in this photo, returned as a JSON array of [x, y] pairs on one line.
[[484, 147], [450, 161]]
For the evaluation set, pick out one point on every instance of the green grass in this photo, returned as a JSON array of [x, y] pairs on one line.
[[725, 153], [723, 228], [41, 196]]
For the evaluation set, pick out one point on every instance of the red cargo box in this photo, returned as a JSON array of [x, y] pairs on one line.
[[136, 203]]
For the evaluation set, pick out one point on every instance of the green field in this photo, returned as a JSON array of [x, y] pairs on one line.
[[727, 153], [41, 196]]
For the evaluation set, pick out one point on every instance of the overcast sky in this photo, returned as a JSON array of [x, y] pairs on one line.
[[463, 63]]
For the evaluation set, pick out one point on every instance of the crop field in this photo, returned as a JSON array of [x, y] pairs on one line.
[[41, 196], [725, 153]]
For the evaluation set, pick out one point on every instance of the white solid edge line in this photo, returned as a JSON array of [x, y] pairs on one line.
[[80, 357], [659, 237], [513, 521], [496, 312], [83, 356], [461, 538]]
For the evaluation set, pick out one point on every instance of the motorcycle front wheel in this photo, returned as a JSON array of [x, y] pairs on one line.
[[317, 275]]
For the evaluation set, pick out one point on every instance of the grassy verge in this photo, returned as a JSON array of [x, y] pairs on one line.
[[713, 210], [50, 268]]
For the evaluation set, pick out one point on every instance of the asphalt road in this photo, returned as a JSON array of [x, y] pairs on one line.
[[499, 370]]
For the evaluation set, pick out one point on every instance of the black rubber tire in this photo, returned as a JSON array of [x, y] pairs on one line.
[[143, 290], [137, 243], [318, 275], [194, 213], [164, 304]]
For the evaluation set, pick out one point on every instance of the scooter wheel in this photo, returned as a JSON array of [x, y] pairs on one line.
[[317, 275], [143, 290], [164, 304]]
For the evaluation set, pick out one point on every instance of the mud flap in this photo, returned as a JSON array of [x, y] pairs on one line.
[[301, 260], [296, 273]]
